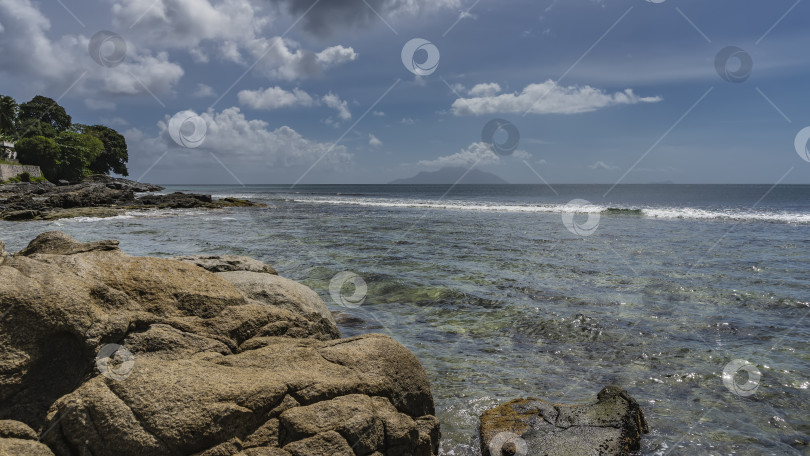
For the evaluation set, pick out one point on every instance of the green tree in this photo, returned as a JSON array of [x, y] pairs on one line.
[[115, 156], [39, 151], [42, 116], [77, 151], [8, 115]]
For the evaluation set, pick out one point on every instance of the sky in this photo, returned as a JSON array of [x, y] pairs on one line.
[[368, 91]]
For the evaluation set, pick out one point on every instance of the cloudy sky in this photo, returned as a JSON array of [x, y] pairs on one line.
[[367, 91]]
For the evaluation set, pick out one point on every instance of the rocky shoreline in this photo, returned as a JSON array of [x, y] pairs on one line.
[[104, 353], [97, 196]]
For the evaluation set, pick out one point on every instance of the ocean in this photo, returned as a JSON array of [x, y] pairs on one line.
[[694, 298]]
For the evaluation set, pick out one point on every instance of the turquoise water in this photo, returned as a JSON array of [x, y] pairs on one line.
[[500, 299]]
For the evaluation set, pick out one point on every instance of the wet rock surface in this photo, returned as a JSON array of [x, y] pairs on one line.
[[96, 196], [611, 426], [107, 354]]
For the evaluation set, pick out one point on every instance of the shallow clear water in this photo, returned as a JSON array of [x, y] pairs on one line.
[[498, 299]]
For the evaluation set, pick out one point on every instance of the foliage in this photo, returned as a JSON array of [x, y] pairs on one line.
[[115, 155], [8, 116], [61, 149], [39, 151], [42, 116], [77, 152]]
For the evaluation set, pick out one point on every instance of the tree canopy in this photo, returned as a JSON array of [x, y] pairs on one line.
[[49, 139]]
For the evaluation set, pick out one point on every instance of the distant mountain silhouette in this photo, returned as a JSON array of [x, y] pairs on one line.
[[450, 176]]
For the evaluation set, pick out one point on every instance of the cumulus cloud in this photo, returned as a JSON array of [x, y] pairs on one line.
[[27, 52], [545, 98], [274, 98], [485, 90], [334, 102], [476, 153], [238, 141], [373, 141]]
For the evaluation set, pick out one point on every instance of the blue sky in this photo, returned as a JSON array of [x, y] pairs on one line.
[[289, 92]]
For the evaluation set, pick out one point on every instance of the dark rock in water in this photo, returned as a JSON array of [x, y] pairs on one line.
[[103, 353], [15, 216], [123, 184], [611, 426], [96, 196]]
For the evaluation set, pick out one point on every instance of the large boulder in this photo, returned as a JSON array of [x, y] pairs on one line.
[[611, 426], [107, 354], [283, 293]]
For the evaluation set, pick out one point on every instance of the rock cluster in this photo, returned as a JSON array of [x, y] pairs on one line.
[[611, 426], [103, 353], [96, 196]]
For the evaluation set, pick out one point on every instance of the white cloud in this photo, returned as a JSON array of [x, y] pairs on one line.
[[547, 98], [378, 114], [373, 141], [407, 121], [203, 91], [143, 74], [239, 142], [335, 55], [485, 90], [275, 98], [602, 165], [334, 102], [53, 65], [476, 153]]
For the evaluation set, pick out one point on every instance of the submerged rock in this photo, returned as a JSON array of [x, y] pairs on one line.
[[611, 426], [107, 354]]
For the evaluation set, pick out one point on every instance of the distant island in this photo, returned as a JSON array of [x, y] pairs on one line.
[[451, 176]]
